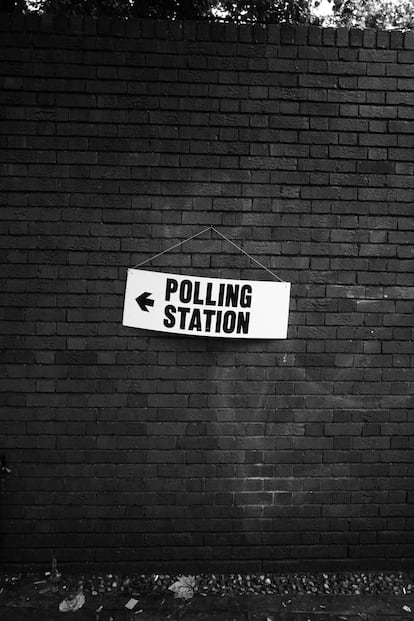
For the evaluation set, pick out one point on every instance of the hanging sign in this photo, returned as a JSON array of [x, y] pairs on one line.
[[206, 306]]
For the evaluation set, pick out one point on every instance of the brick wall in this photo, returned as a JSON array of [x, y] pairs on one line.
[[120, 139]]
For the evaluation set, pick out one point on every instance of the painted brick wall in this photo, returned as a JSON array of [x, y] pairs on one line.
[[120, 140]]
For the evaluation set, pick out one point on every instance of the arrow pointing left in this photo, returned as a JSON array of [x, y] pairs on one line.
[[144, 301]]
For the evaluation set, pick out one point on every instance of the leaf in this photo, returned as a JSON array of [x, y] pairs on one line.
[[72, 603], [184, 587]]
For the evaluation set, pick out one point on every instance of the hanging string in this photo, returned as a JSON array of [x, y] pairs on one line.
[[246, 253], [210, 228], [171, 248]]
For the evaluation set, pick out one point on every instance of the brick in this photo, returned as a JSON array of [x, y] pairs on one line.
[[356, 37]]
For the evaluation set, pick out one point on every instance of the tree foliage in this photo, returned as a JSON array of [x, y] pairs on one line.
[[238, 11], [378, 14], [156, 9], [172, 9], [265, 11], [94, 8]]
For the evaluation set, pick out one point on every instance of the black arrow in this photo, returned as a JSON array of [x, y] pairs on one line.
[[144, 301]]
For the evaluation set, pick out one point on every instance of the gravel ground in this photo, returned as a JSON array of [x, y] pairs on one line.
[[323, 583]]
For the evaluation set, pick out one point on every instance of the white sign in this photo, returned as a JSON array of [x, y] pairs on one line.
[[206, 306]]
